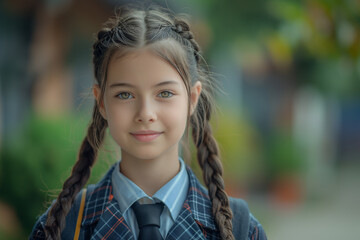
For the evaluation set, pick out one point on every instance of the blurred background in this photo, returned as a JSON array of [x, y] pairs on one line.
[[288, 122]]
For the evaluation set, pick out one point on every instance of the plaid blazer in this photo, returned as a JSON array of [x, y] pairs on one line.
[[102, 218]]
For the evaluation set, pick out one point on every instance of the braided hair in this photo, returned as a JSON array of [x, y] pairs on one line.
[[170, 37]]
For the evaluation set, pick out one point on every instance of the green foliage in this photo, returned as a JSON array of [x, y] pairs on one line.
[[4, 235], [283, 156], [229, 19], [317, 41], [240, 150], [32, 166], [33, 169], [239, 146]]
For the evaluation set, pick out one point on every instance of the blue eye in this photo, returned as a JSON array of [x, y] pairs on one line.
[[165, 94], [125, 95]]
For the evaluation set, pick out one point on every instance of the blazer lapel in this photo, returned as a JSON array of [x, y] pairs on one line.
[[195, 220], [103, 212], [112, 225], [185, 226]]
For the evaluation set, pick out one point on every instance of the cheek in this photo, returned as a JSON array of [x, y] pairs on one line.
[[119, 116], [176, 116]]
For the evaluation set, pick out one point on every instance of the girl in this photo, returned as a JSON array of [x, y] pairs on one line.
[[151, 85]]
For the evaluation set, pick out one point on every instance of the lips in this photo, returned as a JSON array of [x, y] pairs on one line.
[[146, 136]]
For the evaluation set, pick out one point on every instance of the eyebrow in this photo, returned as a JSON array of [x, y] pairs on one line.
[[170, 82]]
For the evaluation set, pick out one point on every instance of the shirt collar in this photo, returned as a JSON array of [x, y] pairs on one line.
[[172, 194], [100, 196]]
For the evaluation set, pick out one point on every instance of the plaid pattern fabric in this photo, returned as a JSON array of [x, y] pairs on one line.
[[173, 194], [195, 220]]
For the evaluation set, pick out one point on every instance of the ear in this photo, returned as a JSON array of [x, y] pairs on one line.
[[194, 96], [96, 92]]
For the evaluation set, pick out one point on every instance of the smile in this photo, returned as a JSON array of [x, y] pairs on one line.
[[147, 136]]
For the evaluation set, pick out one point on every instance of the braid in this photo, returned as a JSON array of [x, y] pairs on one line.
[[207, 148], [80, 174], [209, 161], [182, 28]]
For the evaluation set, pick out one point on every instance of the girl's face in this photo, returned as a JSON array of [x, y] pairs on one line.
[[145, 105]]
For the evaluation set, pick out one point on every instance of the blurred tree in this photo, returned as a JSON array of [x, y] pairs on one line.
[[319, 41], [33, 170]]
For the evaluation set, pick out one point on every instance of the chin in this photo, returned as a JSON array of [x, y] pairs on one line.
[[148, 157], [144, 154]]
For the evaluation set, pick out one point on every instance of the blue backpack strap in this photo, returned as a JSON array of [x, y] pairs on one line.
[[241, 218]]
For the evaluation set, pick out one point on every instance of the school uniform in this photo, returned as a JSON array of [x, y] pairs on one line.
[[108, 215]]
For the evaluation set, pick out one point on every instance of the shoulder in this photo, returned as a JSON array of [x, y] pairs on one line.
[[245, 225], [38, 229], [38, 232], [71, 218], [256, 231]]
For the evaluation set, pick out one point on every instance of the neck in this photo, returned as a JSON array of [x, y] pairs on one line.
[[150, 174]]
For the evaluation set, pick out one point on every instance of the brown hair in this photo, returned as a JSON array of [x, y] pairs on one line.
[[170, 36]]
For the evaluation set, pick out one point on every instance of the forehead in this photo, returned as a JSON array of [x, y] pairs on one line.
[[141, 67]]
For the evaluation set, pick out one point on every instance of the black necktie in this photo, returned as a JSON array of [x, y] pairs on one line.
[[148, 218]]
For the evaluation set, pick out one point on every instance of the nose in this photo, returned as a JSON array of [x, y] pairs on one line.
[[145, 112]]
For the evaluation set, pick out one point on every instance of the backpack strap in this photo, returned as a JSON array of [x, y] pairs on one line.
[[77, 210], [80, 215], [83, 232], [241, 218]]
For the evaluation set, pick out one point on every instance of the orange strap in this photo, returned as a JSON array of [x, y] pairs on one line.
[[80, 215]]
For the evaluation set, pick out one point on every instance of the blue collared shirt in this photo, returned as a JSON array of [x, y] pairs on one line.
[[172, 194]]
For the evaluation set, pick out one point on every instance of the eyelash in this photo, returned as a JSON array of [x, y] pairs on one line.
[[169, 93], [122, 97], [166, 91]]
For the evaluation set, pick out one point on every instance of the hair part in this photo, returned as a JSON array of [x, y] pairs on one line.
[[169, 36]]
